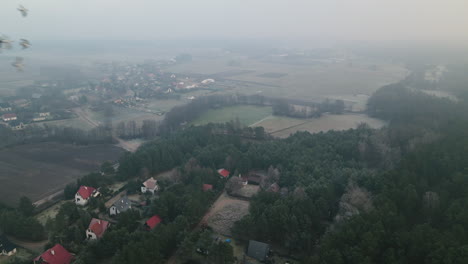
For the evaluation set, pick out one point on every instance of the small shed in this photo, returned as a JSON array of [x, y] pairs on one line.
[[258, 250]]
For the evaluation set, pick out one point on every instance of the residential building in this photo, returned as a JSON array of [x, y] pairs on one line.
[[9, 117], [6, 247], [120, 206], [96, 228], [16, 125], [150, 185], [153, 222], [5, 107], [224, 173], [55, 255], [84, 194]]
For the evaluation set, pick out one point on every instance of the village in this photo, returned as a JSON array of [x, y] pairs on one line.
[[107, 205]]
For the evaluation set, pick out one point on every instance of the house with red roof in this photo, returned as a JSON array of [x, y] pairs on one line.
[[84, 194], [150, 185], [96, 228], [9, 117], [153, 222], [55, 255], [224, 173], [207, 187]]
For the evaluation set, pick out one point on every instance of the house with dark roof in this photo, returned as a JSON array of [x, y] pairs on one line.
[[258, 250], [84, 194], [153, 222], [55, 255], [96, 228], [6, 247], [120, 206], [150, 185], [224, 173]]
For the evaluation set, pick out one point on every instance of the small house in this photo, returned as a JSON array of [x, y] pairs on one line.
[[38, 118], [84, 194], [6, 247], [224, 173], [120, 206], [9, 117], [5, 107], [16, 125], [150, 185], [258, 250], [207, 187], [153, 222], [55, 255], [96, 228]]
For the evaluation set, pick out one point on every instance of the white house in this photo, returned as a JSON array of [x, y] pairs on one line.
[[6, 247], [150, 185], [9, 117], [122, 205], [96, 228], [84, 194]]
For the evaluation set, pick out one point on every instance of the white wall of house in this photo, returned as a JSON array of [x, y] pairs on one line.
[[5, 253], [79, 200], [113, 211], [90, 235]]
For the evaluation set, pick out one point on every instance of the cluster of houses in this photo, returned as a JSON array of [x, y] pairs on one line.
[[97, 227], [11, 119]]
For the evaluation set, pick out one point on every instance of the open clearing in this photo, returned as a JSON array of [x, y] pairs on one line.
[[38, 170], [282, 127], [224, 213], [247, 114]]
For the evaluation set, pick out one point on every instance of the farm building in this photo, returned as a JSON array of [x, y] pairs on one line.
[[55, 255], [150, 185], [84, 194], [258, 250], [153, 222], [6, 247], [96, 228], [122, 205], [224, 173], [9, 117]]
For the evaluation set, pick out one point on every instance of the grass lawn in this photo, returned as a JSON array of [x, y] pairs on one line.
[[247, 114]]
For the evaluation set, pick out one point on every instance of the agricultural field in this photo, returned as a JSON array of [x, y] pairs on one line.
[[247, 114], [38, 170], [282, 127], [313, 81]]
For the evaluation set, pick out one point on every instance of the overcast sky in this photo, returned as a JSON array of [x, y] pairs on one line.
[[356, 20]]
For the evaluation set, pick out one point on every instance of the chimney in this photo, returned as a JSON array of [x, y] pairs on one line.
[[99, 221], [52, 252], [86, 188]]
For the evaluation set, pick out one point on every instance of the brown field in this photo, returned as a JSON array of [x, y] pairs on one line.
[[224, 213], [282, 127], [38, 170]]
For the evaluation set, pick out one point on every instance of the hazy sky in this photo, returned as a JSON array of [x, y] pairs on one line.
[[357, 20]]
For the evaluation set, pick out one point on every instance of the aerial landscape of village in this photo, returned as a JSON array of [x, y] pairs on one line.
[[207, 148]]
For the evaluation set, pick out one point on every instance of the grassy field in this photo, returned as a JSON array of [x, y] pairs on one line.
[[38, 170], [313, 81], [73, 122], [247, 114], [282, 127]]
